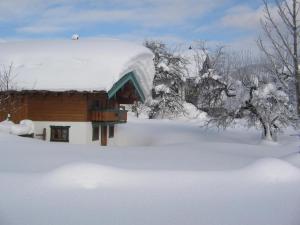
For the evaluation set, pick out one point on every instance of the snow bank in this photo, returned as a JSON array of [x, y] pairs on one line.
[[25, 127], [273, 170], [92, 176], [87, 176], [5, 126], [293, 158], [187, 176], [84, 65]]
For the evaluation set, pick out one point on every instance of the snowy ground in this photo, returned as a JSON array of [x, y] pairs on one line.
[[157, 172]]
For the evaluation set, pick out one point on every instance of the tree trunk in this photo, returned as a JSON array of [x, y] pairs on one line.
[[295, 56], [297, 82], [267, 133]]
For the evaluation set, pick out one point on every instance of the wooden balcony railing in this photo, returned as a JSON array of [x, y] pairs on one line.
[[109, 115]]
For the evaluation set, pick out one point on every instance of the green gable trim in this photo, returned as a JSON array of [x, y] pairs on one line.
[[128, 77]]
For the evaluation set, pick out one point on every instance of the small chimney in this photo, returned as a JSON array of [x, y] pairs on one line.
[[75, 37]]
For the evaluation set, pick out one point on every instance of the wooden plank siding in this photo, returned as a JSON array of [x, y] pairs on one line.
[[51, 106], [15, 105], [59, 107], [109, 116]]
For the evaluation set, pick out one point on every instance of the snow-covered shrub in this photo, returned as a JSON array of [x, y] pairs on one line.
[[141, 109], [168, 82], [167, 104]]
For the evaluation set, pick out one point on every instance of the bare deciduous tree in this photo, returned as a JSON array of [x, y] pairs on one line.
[[281, 43], [207, 65], [7, 78], [249, 92], [9, 101]]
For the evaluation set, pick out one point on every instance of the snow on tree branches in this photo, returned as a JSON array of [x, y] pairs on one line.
[[280, 44], [168, 82], [251, 93]]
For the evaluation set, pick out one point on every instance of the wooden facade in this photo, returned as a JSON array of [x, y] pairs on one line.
[[51, 106], [97, 107], [62, 106]]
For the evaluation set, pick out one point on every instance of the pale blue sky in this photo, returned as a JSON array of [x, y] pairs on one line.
[[229, 21]]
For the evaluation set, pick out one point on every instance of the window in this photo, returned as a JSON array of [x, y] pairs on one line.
[[111, 131], [59, 133], [95, 133]]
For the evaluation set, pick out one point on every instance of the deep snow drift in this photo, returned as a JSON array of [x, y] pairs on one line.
[[165, 173]]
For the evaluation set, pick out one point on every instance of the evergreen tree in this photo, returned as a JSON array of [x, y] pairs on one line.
[[168, 81]]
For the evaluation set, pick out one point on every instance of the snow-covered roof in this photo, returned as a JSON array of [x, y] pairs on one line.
[[83, 65], [196, 58]]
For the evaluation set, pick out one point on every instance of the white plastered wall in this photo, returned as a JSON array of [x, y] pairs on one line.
[[79, 132]]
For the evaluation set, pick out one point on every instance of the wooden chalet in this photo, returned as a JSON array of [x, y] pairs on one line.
[[78, 116]]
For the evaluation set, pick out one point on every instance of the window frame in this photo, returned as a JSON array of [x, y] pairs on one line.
[[62, 128]]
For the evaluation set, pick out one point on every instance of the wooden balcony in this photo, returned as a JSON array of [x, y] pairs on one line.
[[109, 115]]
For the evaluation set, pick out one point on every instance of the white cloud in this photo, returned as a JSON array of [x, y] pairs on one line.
[[46, 16], [242, 17], [139, 36], [41, 29], [18, 9], [54, 16]]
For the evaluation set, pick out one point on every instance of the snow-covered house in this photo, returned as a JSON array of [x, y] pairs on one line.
[[73, 90]]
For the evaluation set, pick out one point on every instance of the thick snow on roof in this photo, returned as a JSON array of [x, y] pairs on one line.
[[82, 65]]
